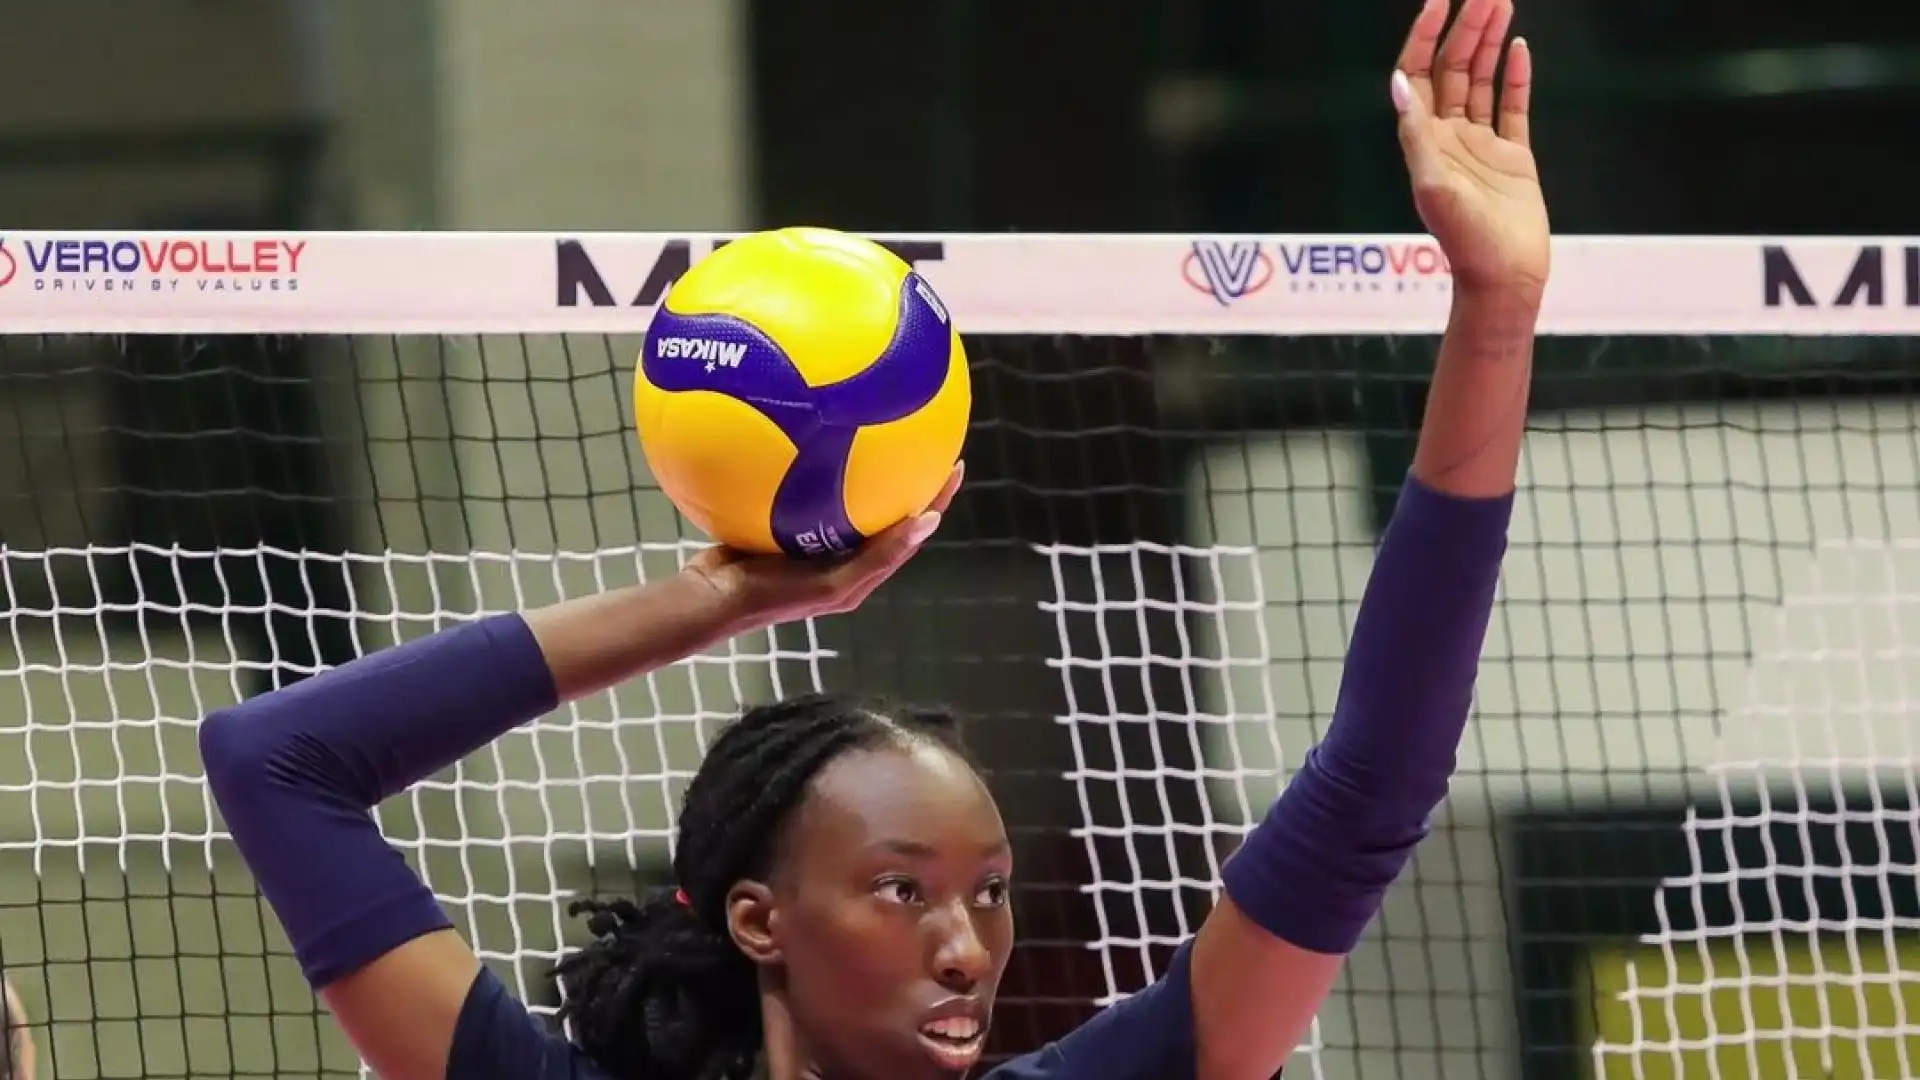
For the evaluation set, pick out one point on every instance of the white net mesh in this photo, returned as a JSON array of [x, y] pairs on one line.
[[1789, 947], [1682, 841]]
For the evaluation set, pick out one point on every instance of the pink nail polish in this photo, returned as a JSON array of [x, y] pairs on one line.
[[923, 527]]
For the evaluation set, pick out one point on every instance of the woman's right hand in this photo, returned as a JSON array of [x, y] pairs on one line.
[[765, 590]]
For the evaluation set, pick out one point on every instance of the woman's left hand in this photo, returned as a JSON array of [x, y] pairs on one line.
[[1464, 129]]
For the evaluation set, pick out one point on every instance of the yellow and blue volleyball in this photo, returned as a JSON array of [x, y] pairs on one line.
[[801, 390]]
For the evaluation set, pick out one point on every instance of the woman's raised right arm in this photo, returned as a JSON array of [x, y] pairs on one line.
[[296, 773]]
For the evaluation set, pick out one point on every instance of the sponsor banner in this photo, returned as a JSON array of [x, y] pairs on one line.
[[531, 283], [1866, 277]]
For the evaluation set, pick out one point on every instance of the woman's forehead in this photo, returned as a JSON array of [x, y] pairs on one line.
[[915, 793]]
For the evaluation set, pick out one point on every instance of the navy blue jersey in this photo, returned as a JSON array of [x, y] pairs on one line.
[[1149, 1036]]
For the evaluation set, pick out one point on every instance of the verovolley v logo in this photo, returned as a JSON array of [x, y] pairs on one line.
[[582, 280], [1231, 270], [152, 263], [1227, 270]]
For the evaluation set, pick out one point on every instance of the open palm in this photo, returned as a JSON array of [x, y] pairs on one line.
[[1464, 129]]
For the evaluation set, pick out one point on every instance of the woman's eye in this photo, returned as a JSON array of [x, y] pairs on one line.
[[898, 891], [992, 894]]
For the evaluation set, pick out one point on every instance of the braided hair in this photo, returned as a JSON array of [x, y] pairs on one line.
[[662, 992]]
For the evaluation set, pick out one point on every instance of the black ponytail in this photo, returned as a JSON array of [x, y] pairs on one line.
[[658, 994], [662, 993]]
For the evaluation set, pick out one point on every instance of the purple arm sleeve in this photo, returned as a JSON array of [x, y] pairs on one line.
[[296, 774], [1149, 1036], [496, 1038], [1314, 872]]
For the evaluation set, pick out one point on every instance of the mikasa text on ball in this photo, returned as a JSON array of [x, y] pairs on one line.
[[801, 390]]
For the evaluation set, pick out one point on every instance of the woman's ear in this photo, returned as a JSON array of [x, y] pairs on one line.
[[753, 921]]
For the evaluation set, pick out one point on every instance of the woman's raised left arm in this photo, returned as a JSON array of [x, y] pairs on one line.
[[1312, 875]]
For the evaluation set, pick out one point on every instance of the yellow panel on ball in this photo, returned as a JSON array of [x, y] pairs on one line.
[[716, 457], [887, 469], [830, 330]]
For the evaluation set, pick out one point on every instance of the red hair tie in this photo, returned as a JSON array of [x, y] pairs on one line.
[[680, 897]]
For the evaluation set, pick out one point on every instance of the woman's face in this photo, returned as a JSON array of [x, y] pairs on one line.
[[890, 914]]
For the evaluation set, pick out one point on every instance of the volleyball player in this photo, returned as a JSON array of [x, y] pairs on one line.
[[843, 874]]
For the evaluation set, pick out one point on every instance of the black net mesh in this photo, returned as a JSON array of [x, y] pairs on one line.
[[1668, 839]]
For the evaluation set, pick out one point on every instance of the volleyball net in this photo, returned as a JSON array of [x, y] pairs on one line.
[[1682, 840]]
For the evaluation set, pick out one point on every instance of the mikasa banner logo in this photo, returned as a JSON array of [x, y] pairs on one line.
[[579, 280]]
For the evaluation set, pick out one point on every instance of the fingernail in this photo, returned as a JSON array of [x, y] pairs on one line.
[[923, 527], [1402, 91]]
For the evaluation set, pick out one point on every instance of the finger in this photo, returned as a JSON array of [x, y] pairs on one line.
[[1516, 97], [880, 556], [1423, 41], [919, 529], [853, 581], [950, 488], [1486, 63], [853, 600], [1415, 131], [1453, 69]]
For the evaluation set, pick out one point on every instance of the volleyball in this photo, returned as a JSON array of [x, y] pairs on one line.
[[799, 391]]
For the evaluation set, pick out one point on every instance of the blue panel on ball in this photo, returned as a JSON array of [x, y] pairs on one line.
[[725, 355], [810, 509], [906, 376]]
